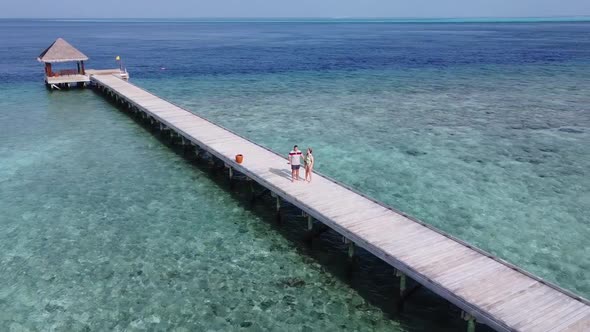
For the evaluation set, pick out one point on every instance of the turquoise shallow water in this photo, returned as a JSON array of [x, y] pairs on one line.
[[501, 163], [480, 129], [106, 228]]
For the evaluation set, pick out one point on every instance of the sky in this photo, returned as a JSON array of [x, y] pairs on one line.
[[291, 8]]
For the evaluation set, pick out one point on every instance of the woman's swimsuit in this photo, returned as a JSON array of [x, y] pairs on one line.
[[307, 160]]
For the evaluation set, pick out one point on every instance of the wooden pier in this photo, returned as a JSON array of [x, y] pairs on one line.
[[488, 290]]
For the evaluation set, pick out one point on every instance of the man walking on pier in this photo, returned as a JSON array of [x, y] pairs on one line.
[[295, 161]]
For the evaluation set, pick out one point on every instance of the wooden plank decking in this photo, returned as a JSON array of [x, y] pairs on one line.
[[75, 78], [78, 78], [492, 291]]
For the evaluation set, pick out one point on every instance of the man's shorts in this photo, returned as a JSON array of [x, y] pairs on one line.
[[295, 167]]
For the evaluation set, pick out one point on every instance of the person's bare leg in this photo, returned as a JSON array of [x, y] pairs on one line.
[[297, 174], [292, 175], [310, 173]]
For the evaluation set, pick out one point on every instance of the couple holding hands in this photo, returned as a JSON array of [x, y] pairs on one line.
[[294, 159]]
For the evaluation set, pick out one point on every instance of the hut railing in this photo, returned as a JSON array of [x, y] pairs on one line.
[[65, 72]]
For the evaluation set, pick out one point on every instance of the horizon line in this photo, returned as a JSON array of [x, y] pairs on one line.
[[585, 16]]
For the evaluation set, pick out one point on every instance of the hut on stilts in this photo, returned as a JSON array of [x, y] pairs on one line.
[[63, 52]]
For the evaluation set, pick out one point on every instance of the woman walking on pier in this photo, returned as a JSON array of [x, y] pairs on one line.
[[308, 162]]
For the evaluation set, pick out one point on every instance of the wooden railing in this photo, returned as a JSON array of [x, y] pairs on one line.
[[65, 72]]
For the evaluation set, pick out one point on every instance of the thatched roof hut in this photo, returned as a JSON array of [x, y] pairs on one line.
[[61, 51]]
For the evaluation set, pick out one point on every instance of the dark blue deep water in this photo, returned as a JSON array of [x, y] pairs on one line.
[[205, 48]]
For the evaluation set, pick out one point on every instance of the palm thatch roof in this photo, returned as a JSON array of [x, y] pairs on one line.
[[61, 51]]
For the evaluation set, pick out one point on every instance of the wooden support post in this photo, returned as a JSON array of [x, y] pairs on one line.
[[210, 159], [350, 246], [402, 281], [278, 205], [48, 71], [351, 266], [231, 177], [471, 325], [252, 195], [470, 321], [406, 293], [309, 223], [183, 143]]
